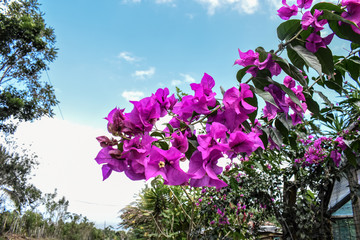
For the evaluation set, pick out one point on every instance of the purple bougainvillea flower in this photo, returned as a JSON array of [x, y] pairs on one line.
[[235, 99], [204, 171], [166, 163], [179, 141], [113, 160], [286, 12], [144, 114], [236, 109], [289, 82], [273, 67], [353, 13], [215, 139], [304, 3], [105, 141], [336, 157], [308, 19], [314, 42], [116, 122], [341, 143], [240, 142], [204, 90], [270, 111], [247, 58], [189, 105], [138, 147], [166, 103], [279, 97]]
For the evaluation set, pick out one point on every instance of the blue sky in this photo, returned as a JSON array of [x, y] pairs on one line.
[[115, 50]]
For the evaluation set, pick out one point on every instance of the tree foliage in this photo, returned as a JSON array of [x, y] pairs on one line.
[[26, 49]]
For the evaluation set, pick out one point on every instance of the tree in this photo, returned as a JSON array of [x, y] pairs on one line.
[[15, 170], [26, 49]]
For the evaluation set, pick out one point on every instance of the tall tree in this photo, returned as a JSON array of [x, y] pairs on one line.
[[15, 171], [26, 49]]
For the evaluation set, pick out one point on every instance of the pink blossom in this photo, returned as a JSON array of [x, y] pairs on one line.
[[286, 12]]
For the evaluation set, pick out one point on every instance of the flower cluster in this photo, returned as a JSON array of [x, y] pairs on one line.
[[284, 103], [142, 152], [251, 58], [317, 150], [314, 41]]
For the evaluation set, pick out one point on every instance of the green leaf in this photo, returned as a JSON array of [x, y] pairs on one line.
[[325, 57], [353, 68], [309, 58], [334, 86], [261, 82], [241, 73], [266, 96], [326, 100], [338, 78], [253, 102], [293, 72], [158, 134], [282, 129], [326, 6], [291, 94], [331, 16], [276, 136], [163, 145], [193, 144], [312, 105], [350, 156], [233, 183], [264, 137], [354, 46], [295, 58], [288, 29], [262, 53], [344, 31]]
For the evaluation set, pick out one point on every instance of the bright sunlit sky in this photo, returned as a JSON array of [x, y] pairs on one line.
[[115, 50]]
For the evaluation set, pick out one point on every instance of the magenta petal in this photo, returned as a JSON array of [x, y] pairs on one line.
[[106, 171], [176, 176]]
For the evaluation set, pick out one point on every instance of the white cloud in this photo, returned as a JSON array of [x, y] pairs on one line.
[[142, 74], [249, 6], [243, 6], [186, 78], [66, 154], [132, 95], [176, 82], [127, 56], [131, 1], [163, 1]]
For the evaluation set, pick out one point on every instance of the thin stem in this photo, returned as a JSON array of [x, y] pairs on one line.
[[282, 46], [206, 116], [158, 227], [182, 209], [192, 212]]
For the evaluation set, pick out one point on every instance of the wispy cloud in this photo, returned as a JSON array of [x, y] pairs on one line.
[[131, 1], [129, 57], [143, 74], [132, 95], [163, 1], [176, 82], [242, 6], [186, 78]]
